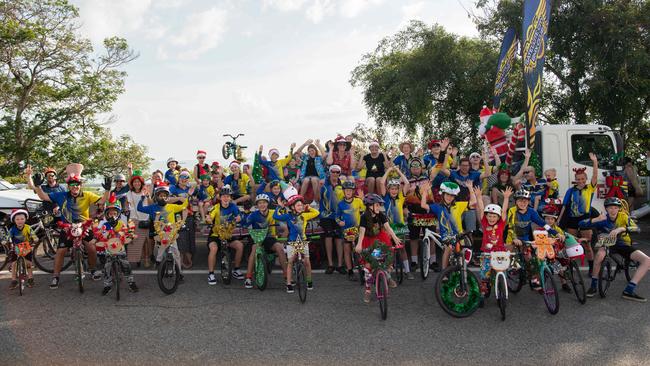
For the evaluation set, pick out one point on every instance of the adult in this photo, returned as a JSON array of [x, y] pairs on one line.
[[312, 169], [341, 153], [634, 190], [331, 193], [137, 250], [375, 165], [402, 161], [201, 167], [51, 185]]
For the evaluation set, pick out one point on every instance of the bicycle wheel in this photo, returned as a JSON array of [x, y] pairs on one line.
[[226, 269], [516, 277], [423, 258], [551, 298], [381, 290], [168, 275], [502, 300], [4, 259], [605, 277], [260, 269], [301, 282], [399, 268], [573, 272], [225, 150], [78, 262], [455, 296], [22, 274], [630, 269], [115, 272]]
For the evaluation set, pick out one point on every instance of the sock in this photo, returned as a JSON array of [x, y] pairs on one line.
[[407, 267], [432, 259], [594, 282], [211, 272], [414, 259], [591, 266], [631, 286]]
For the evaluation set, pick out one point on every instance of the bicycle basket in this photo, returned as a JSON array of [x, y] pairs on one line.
[[424, 220], [298, 246], [258, 235], [114, 246], [166, 233], [351, 234], [605, 240], [23, 249], [378, 255], [500, 261]]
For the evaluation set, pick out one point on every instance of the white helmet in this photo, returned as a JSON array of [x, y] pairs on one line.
[[262, 197], [492, 208]]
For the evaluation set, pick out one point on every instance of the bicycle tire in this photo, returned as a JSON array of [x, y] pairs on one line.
[[605, 277], [444, 291], [399, 268], [630, 269], [549, 288], [115, 271], [44, 253], [22, 274], [301, 282], [226, 268], [516, 277], [225, 150], [166, 270], [78, 260], [261, 277], [423, 258], [5, 261], [577, 282], [502, 300], [381, 290]]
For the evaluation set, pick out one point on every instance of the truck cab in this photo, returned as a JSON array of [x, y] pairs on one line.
[[12, 197]]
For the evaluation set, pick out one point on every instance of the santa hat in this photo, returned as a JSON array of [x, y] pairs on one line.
[[274, 151], [485, 114], [433, 142], [234, 164], [18, 211], [201, 154]]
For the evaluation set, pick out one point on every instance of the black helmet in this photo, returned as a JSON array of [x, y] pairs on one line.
[[613, 201], [349, 185], [522, 193], [372, 198]]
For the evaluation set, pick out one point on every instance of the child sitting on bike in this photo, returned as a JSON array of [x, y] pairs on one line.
[[275, 166], [296, 220], [20, 232], [348, 213], [273, 190], [112, 221], [493, 223], [615, 224], [225, 212], [373, 227], [550, 212], [394, 197], [259, 220]]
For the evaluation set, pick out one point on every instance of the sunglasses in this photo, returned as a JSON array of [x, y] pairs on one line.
[[74, 184], [435, 145], [50, 175]]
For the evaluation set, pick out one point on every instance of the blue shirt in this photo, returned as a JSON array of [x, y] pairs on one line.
[[447, 225], [329, 201], [403, 164], [171, 177], [460, 179], [520, 225], [179, 192]]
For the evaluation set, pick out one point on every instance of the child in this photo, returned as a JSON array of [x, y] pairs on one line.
[[347, 216], [263, 219], [374, 226], [224, 212], [171, 175], [550, 213], [20, 232], [394, 198], [296, 221], [275, 166], [203, 196], [615, 224], [493, 223], [292, 171], [112, 221]]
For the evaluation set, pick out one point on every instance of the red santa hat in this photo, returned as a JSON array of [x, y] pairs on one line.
[[201, 154]]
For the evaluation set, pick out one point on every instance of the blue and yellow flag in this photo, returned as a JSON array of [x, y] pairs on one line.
[[537, 14], [504, 66]]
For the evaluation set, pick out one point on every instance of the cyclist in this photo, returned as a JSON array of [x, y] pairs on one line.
[[173, 170], [550, 213], [348, 213], [394, 199], [187, 236], [296, 220], [75, 205], [263, 219], [373, 227], [331, 194], [121, 189], [418, 180], [51, 185], [113, 222], [615, 224], [20, 232], [224, 212], [275, 166]]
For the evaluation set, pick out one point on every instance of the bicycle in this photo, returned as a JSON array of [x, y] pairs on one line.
[[499, 264], [76, 232], [424, 253], [263, 260], [224, 232], [570, 268], [350, 235], [169, 273], [457, 289], [5, 246], [45, 250], [606, 275], [400, 230], [22, 250], [430, 237], [539, 262], [232, 148], [378, 260], [113, 243], [299, 269]]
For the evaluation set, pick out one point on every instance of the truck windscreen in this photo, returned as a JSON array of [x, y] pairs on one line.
[[600, 144]]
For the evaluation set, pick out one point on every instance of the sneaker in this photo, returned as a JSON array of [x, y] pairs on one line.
[[414, 267], [535, 285], [410, 276], [310, 285], [212, 279], [181, 279], [633, 296], [237, 275], [392, 283], [96, 275], [434, 267], [106, 290], [248, 283], [342, 270], [30, 282], [329, 270], [366, 296], [289, 288], [592, 292], [55, 283], [13, 285], [566, 288], [133, 287], [351, 275]]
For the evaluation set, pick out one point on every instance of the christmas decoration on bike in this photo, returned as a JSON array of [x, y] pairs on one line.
[[378, 255], [23, 249]]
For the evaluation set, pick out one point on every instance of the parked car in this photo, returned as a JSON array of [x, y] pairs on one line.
[[12, 197]]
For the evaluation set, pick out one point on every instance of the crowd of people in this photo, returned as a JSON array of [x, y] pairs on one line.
[[357, 198]]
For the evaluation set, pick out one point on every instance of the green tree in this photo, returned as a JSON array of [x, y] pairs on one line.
[[52, 87]]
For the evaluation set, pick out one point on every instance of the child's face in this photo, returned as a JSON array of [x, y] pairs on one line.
[[274, 157], [492, 218], [349, 193], [262, 205], [292, 163], [612, 211], [374, 149], [549, 175], [225, 200], [112, 213], [393, 190], [581, 180], [522, 204], [276, 190], [172, 165], [376, 208], [205, 182], [299, 207], [448, 198], [550, 220], [20, 220]]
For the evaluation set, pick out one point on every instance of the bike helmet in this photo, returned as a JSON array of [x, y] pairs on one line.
[[393, 182], [119, 178], [19, 211], [551, 210], [349, 185], [170, 160], [274, 183], [492, 208], [163, 187], [613, 201], [49, 170], [262, 197], [226, 190], [293, 199], [522, 193], [416, 163], [372, 198], [113, 205], [450, 188]]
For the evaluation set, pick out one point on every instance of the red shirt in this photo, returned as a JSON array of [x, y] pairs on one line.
[[492, 234]]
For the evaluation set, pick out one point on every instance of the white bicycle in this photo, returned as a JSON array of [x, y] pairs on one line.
[[499, 263]]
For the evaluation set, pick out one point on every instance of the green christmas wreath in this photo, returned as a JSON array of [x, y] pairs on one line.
[[373, 260]]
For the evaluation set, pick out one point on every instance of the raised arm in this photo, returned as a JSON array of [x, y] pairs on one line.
[[424, 188], [320, 147], [330, 156], [36, 187], [524, 165], [594, 174], [506, 202], [304, 145], [476, 192]]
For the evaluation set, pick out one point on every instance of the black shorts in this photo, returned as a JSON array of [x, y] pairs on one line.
[[414, 231], [624, 251], [330, 228], [152, 229], [64, 242], [573, 222], [268, 244]]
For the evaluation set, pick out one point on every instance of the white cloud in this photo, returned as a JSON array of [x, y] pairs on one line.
[[352, 8], [202, 32], [319, 9], [283, 5], [413, 11], [101, 19]]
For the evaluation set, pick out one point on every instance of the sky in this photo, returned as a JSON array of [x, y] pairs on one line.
[[276, 70]]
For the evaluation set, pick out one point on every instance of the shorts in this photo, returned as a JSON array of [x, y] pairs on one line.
[[290, 251], [13, 257], [152, 230], [377, 174], [624, 251], [64, 242], [268, 244], [330, 228], [469, 220], [573, 222]]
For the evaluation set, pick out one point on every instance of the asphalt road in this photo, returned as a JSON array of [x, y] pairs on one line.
[[202, 324]]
